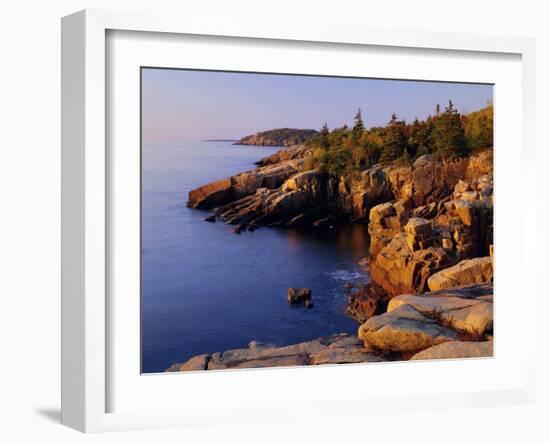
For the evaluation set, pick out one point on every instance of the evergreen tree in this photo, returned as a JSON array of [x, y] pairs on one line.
[[358, 127], [419, 139], [448, 133], [395, 140], [323, 137]]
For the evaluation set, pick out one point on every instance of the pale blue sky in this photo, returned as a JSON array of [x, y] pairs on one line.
[[180, 105]]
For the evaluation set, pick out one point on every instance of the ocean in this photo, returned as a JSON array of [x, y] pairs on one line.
[[205, 289]]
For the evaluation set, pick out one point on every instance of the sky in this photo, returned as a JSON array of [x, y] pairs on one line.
[[184, 105]]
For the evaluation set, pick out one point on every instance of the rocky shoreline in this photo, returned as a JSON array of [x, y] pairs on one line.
[[454, 323], [430, 258]]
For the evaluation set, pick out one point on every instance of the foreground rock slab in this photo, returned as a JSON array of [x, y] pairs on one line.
[[468, 310], [336, 349], [404, 330], [469, 271], [414, 323], [457, 349]]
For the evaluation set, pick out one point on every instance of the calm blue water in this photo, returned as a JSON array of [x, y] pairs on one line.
[[205, 289]]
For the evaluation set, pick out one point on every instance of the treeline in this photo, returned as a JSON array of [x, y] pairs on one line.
[[447, 134], [278, 137]]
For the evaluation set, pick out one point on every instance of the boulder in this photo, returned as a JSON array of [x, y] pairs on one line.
[[467, 310], [300, 180], [423, 178], [415, 322], [398, 269], [404, 330], [419, 234], [465, 211], [299, 295], [400, 179], [365, 191], [468, 271], [381, 211], [366, 302], [457, 349], [416, 226], [429, 302], [386, 220]]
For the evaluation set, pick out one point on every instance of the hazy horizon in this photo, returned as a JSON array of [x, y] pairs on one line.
[[186, 105]]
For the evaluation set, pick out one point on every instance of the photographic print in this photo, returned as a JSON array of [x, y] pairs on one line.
[[295, 220]]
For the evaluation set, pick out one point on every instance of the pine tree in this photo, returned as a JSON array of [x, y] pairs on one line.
[[395, 140], [323, 137], [358, 127], [419, 140], [448, 133]]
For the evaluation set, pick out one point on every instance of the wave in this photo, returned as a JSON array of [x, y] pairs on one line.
[[349, 275]]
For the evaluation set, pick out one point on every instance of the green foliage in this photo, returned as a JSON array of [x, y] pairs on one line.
[[447, 134], [419, 139], [395, 140], [478, 128], [323, 137]]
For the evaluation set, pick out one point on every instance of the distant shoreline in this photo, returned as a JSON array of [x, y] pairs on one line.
[[221, 140]]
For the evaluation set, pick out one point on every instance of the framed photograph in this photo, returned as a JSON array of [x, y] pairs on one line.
[[262, 222]]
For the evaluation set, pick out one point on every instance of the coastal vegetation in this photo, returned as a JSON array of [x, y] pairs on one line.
[[447, 134]]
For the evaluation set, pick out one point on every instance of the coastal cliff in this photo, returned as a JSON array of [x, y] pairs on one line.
[[430, 256], [429, 213]]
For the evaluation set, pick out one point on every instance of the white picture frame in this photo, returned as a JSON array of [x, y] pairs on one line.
[[86, 203]]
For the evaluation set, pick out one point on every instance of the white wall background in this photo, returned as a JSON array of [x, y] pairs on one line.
[[30, 215]]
